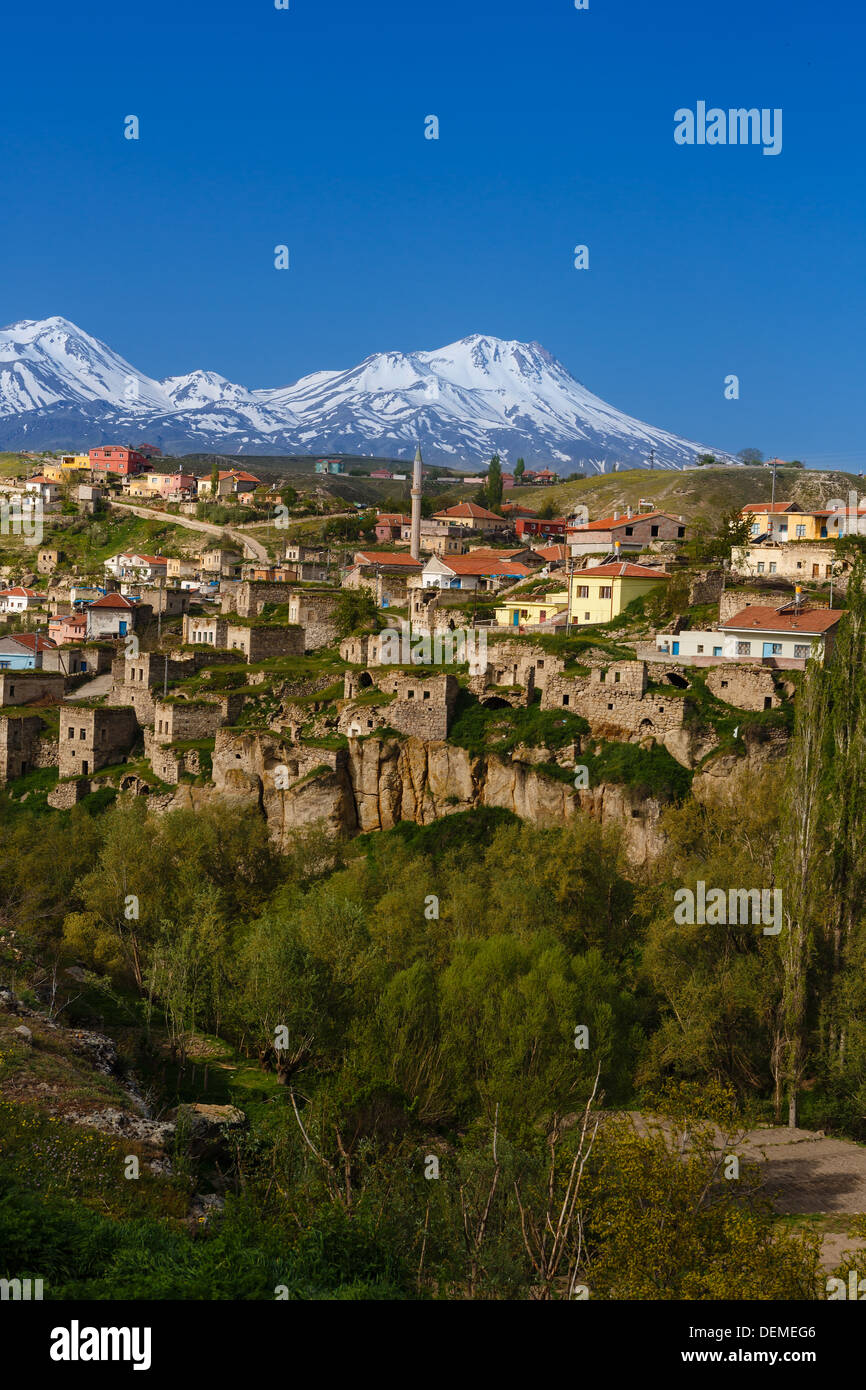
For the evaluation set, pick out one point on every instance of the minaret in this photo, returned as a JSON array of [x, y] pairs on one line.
[[415, 543]]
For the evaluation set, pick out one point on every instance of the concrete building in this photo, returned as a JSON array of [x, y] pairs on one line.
[[601, 593], [789, 561], [632, 531]]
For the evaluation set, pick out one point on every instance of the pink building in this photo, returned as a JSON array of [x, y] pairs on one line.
[[177, 485]]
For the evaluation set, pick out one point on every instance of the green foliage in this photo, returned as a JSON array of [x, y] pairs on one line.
[[647, 771], [355, 610], [494, 482], [481, 728]]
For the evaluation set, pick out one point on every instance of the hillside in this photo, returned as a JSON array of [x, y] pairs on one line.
[[696, 492]]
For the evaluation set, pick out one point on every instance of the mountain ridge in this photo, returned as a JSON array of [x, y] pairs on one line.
[[60, 387]]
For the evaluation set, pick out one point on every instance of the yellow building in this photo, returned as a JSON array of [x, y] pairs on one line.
[[784, 521], [72, 463], [140, 486], [53, 472], [521, 610], [602, 592]]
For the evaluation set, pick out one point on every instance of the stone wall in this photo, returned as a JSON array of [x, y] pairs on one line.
[[249, 597], [265, 640], [178, 720], [751, 688], [91, 738], [314, 612], [706, 587], [614, 708], [735, 600], [19, 745], [436, 609], [19, 687], [170, 764], [423, 708], [68, 659], [68, 794], [517, 663]]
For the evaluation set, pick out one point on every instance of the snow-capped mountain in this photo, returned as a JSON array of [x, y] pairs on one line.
[[62, 388]]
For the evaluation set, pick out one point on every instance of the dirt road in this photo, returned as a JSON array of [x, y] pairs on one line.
[[250, 545]]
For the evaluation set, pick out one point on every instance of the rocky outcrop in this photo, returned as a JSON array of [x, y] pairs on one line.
[[377, 782]]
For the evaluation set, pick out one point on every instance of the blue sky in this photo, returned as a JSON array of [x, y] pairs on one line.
[[306, 127]]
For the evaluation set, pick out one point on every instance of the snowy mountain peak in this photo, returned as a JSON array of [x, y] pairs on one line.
[[62, 388]]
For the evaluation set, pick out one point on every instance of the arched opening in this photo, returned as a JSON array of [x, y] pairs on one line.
[[364, 680], [674, 678], [645, 727], [495, 702]]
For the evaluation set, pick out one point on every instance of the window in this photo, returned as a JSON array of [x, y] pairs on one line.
[[582, 591], [82, 735], [610, 706], [724, 685], [565, 699], [654, 530], [410, 694], [800, 531], [586, 617], [681, 531], [616, 677], [700, 648], [629, 530], [426, 694], [72, 733], [760, 567], [744, 649], [540, 665], [802, 649], [605, 591], [772, 566]]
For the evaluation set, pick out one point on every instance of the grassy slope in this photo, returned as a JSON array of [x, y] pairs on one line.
[[696, 492]]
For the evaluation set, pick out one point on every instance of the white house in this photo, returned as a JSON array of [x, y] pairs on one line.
[[44, 488], [112, 615], [19, 600], [472, 572], [146, 569], [786, 634]]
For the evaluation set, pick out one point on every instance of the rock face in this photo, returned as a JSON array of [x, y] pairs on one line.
[[377, 782]]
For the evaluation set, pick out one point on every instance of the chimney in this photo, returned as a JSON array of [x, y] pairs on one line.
[[628, 512], [616, 516], [415, 541]]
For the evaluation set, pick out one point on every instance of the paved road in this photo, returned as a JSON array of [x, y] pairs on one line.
[[100, 685], [250, 545]]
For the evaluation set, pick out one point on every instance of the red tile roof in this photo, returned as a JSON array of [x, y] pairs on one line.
[[470, 509], [622, 570], [552, 553], [32, 641], [607, 523], [111, 601], [757, 618], [19, 592], [771, 507], [469, 564], [372, 557]]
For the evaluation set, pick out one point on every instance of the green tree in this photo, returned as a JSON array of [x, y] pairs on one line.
[[494, 482], [355, 611], [519, 470]]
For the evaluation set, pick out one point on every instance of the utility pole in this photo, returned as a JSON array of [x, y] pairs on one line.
[[652, 458], [773, 496]]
